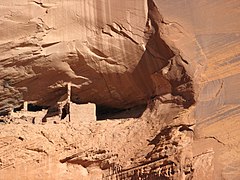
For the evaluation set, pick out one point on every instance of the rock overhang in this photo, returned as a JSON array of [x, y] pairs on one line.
[[113, 63]]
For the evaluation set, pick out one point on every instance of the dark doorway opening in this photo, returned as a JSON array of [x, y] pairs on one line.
[[35, 108], [64, 113], [19, 108], [105, 112]]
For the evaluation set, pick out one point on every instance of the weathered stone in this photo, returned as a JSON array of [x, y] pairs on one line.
[[167, 71]]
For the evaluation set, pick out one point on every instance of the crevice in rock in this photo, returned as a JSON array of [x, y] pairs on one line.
[[182, 59], [121, 26], [64, 160], [122, 33], [41, 4], [37, 150], [219, 90], [97, 51], [107, 33], [203, 153], [46, 136], [216, 139], [50, 44], [101, 158]]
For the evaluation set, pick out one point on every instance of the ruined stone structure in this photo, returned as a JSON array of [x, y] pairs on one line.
[[77, 113], [66, 111], [29, 116], [164, 75], [82, 113]]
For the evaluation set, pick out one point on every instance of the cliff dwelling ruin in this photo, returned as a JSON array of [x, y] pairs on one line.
[[119, 89], [65, 110]]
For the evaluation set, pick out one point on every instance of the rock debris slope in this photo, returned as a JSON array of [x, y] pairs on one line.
[[173, 63]]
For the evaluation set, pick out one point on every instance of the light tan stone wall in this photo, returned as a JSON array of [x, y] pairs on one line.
[[82, 112]]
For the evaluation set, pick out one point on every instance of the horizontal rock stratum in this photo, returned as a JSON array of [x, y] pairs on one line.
[[165, 72]]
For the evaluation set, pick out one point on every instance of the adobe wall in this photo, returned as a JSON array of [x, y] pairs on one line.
[[82, 112], [38, 115]]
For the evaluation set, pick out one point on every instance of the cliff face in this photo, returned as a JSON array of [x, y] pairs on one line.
[[173, 63], [108, 50], [213, 28]]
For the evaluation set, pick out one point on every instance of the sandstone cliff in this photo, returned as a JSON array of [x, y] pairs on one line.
[[164, 76]]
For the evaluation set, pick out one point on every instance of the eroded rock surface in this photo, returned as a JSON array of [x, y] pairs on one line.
[[166, 71], [109, 50]]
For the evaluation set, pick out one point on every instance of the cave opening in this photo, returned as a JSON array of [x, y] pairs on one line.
[[105, 112], [35, 108]]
